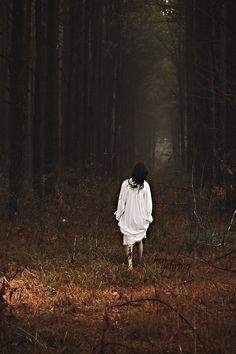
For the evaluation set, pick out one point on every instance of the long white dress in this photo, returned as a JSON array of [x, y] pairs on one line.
[[134, 211]]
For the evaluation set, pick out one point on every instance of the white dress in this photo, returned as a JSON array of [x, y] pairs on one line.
[[134, 212]]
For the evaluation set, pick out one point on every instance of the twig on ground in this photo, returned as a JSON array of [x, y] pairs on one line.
[[32, 338], [214, 266], [224, 269], [211, 281], [210, 244], [104, 330], [157, 299], [187, 281], [226, 254]]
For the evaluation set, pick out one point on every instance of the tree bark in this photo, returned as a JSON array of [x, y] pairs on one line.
[[51, 128], [17, 108]]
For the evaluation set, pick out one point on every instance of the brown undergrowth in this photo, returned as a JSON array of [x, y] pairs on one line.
[[66, 289]]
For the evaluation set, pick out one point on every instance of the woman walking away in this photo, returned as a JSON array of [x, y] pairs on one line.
[[134, 211]]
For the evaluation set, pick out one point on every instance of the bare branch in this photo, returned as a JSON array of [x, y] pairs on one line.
[[157, 299]]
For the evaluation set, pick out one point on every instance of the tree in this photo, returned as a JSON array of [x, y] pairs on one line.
[[18, 109], [4, 87], [209, 92], [51, 127], [39, 102]]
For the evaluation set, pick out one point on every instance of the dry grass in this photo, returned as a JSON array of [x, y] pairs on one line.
[[66, 289]]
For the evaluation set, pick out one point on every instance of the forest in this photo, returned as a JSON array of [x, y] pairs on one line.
[[88, 88]]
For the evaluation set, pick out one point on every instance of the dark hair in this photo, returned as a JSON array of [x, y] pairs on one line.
[[139, 174]]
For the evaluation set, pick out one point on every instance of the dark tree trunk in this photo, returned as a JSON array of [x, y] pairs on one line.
[[4, 85], [231, 79], [28, 83], [68, 94], [17, 109], [52, 115], [86, 87], [72, 69], [181, 77], [39, 102], [210, 122]]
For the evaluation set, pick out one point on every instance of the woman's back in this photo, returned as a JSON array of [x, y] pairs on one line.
[[138, 208], [134, 210]]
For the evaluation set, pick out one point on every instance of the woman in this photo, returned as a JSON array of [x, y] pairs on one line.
[[134, 211]]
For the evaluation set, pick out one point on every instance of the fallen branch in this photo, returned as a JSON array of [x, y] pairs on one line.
[[187, 281], [105, 326], [210, 264], [210, 244], [226, 255], [157, 299], [224, 269]]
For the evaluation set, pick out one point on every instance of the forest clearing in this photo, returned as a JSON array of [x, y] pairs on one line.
[[65, 286]]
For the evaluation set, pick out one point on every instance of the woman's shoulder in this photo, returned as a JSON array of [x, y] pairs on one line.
[[146, 184], [125, 182]]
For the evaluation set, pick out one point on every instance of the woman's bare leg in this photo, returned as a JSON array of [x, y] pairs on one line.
[[140, 251], [129, 255]]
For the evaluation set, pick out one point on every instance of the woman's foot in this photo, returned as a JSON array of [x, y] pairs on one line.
[[130, 264]]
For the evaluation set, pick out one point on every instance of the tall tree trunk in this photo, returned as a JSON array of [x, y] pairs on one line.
[[231, 79], [68, 91], [4, 84], [39, 101], [17, 109], [28, 81], [52, 114], [86, 87]]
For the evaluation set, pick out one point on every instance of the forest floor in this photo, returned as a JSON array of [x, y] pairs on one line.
[[65, 287]]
